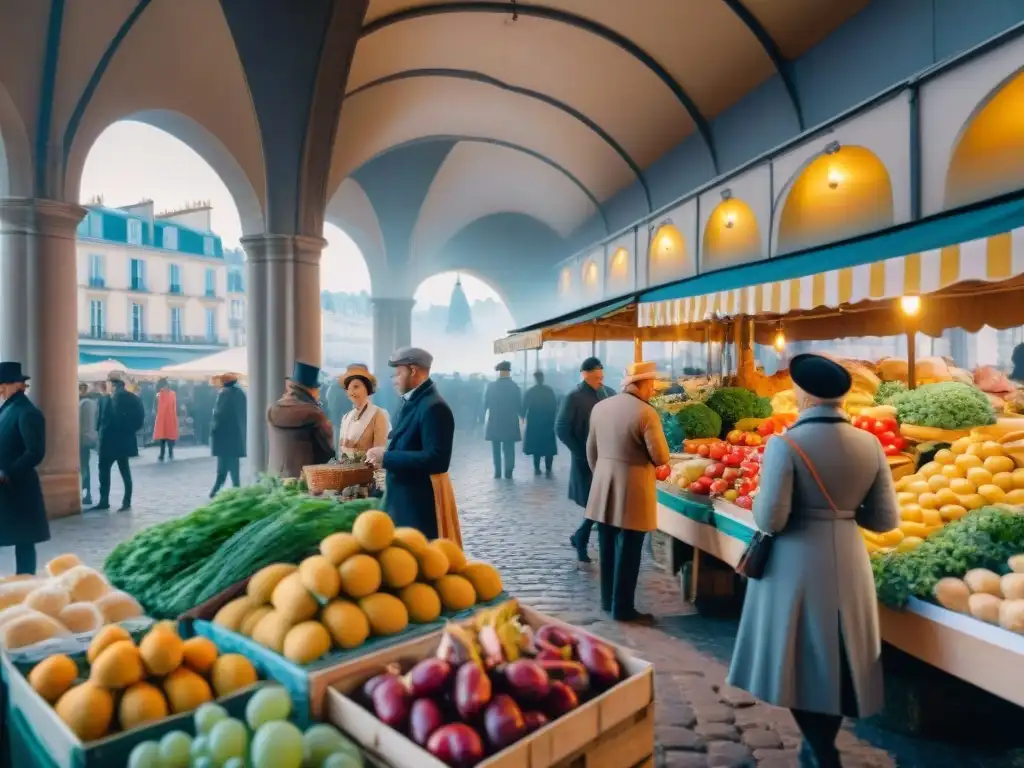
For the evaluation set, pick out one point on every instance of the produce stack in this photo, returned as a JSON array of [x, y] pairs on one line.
[[731, 472], [987, 596], [370, 582]]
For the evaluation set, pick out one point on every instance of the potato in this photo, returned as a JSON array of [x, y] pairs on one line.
[[985, 607], [983, 580], [1016, 563], [953, 595], [1012, 586], [1011, 615]]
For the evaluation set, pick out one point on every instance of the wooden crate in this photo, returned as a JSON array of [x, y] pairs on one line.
[[612, 730]]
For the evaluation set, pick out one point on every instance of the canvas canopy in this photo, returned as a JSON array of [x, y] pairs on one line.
[[93, 372], [233, 360]]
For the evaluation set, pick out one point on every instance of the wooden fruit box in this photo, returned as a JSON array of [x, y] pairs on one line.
[[612, 730]]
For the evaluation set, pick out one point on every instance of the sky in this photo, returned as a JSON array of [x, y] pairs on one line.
[[132, 161]]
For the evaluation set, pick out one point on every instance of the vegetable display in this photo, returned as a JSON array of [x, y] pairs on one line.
[[373, 581], [735, 403], [674, 434], [697, 420], [946, 405], [489, 686], [886, 429], [888, 390]]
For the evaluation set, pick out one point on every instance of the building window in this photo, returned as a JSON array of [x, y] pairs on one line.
[[174, 278], [170, 238], [237, 309], [211, 282], [211, 324], [96, 225], [134, 231], [96, 313], [176, 324], [97, 273], [208, 249], [138, 322], [235, 282], [137, 275]]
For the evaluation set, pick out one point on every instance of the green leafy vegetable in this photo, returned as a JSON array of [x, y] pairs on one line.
[[887, 390], [697, 420], [735, 403], [947, 405]]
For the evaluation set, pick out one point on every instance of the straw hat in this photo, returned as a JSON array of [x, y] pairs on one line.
[[642, 371], [359, 371]]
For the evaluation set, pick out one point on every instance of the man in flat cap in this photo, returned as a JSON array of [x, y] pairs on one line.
[[503, 402], [300, 432], [572, 427], [228, 431], [418, 492]]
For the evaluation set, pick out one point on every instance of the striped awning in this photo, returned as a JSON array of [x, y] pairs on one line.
[[990, 260]]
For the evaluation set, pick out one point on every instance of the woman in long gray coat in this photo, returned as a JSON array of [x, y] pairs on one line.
[[808, 639]]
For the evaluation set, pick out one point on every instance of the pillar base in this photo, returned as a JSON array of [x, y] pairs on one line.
[[62, 493]]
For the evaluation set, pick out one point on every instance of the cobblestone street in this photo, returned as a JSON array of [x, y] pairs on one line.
[[523, 527]]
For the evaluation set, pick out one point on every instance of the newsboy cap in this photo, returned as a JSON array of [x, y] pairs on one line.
[[591, 364], [820, 376], [504, 365], [411, 356]]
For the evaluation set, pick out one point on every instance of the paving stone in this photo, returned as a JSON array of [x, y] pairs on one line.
[[728, 754], [685, 760], [782, 759], [752, 717], [674, 737], [761, 738], [674, 714], [736, 697], [718, 732], [714, 713]]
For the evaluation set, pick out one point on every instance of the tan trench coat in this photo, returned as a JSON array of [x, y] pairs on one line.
[[818, 587], [625, 444]]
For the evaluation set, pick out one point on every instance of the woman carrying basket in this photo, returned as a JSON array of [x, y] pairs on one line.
[[365, 426]]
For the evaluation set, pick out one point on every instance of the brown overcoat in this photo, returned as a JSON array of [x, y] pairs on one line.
[[625, 444], [300, 434]]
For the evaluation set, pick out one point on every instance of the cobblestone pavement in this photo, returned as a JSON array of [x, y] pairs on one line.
[[523, 526]]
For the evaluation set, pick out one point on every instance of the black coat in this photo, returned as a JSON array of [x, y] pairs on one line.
[[502, 403], [122, 418], [573, 427], [540, 407], [227, 434], [420, 446], [22, 448]]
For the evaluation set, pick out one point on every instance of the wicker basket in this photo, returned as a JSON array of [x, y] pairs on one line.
[[335, 477]]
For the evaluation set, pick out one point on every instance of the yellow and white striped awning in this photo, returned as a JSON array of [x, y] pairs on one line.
[[990, 260]]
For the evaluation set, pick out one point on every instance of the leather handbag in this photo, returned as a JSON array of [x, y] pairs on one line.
[[754, 560]]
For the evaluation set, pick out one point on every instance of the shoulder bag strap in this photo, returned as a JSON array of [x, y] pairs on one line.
[[810, 468]]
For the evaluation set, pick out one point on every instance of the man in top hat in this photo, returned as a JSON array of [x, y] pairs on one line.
[[121, 418], [503, 402], [227, 431], [300, 432], [22, 448], [625, 444], [418, 492], [572, 427]]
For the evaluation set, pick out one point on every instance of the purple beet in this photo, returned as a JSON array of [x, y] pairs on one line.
[[600, 661], [428, 678], [503, 722], [457, 744], [371, 685], [561, 700], [424, 718], [535, 720], [472, 690], [527, 681], [391, 703], [572, 673]]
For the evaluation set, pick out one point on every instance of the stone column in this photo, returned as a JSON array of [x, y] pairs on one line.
[[284, 323], [39, 296]]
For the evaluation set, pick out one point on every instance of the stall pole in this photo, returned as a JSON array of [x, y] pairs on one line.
[[910, 306], [638, 348]]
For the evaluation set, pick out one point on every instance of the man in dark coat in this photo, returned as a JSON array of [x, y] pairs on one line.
[[540, 407], [202, 412], [572, 428], [503, 402], [420, 445], [122, 418], [22, 448], [300, 432], [227, 433]]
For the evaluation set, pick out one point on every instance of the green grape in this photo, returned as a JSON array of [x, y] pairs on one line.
[[228, 739], [277, 744], [322, 740], [202, 762], [145, 755], [234, 762], [200, 747], [267, 704], [207, 716], [342, 760], [174, 750]]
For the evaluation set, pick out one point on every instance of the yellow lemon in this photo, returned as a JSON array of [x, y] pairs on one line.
[[976, 449], [913, 529], [968, 460], [893, 537], [952, 470], [1016, 496], [972, 501], [919, 487], [928, 501], [992, 493], [950, 512], [906, 498], [938, 482], [1018, 478], [929, 469], [946, 496], [931, 517], [959, 447], [944, 456], [909, 544], [1004, 480], [996, 464], [979, 476], [962, 487], [911, 512], [991, 448]]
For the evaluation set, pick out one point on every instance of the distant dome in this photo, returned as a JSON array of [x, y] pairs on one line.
[[460, 319]]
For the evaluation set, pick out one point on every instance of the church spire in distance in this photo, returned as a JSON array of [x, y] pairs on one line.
[[459, 316]]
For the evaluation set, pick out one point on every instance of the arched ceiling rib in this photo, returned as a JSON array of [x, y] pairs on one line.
[[404, 111], [350, 210], [465, 190]]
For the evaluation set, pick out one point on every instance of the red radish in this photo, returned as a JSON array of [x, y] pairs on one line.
[[391, 703], [457, 744], [371, 685], [429, 677], [527, 680], [503, 722], [600, 661], [425, 717], [472, 690]]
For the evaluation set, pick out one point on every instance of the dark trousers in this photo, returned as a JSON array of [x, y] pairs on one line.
[[24, 559], [125, 469], [548, 461], [620, 551], [227, 465], [84, 454], [507, 447], [169, 446], [582, 535]]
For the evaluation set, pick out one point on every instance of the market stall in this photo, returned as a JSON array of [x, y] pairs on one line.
[[233, 360]]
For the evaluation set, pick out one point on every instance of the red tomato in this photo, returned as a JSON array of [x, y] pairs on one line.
[[705, 481], [720, 486], [887, 438], [714, 470], [663, 472], [891, 425], [750, 468], [733, 460], [860, 422], [703, 450], [690, 448], [717, 452], [700, 488], [766, 428], [890, 450], [730, 474], [899, 443], [743, 488], [745, 502]]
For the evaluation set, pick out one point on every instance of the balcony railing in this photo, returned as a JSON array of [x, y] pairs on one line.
[[211, 293], [174, 289], [97, 282], [139, 286], [152, 338]]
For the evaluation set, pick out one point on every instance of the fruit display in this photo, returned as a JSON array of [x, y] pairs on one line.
[[121, 685], [371, 582], [733, 404], [490, 684], [70, 599], [265, 738], [881, 422]]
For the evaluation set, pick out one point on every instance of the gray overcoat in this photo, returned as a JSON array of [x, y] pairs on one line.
[[818, 582]]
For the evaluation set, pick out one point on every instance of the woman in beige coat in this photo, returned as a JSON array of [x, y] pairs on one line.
[[808, 639], [625, 444], [365, 426]]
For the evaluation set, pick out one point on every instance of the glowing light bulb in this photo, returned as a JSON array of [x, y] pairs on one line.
[[730, 220], [665, 242], [835, 178], [780, 341], [911, 305]]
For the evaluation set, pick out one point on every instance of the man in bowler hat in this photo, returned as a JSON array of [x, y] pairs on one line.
[[300, 432], [22, 448], [572, 427], [121, 418], [503, 403]]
